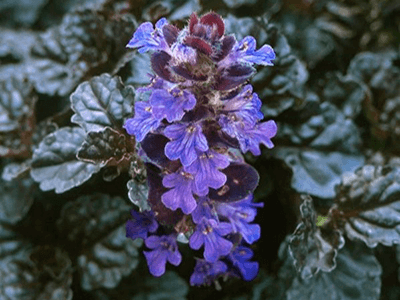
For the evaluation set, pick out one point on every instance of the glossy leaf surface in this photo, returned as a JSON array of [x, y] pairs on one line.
[[54, 162]]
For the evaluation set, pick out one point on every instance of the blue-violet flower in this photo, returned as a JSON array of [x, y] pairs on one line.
[[164, 248]]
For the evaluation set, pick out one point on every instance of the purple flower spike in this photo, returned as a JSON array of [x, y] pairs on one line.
[[186, 138], [181, 194], [143, 122], [147, 38], [165, 249], [245, 52], [240, 259], [141, 225], [171, 104], [198, 114], [205, 272], [206, 170], [209, 233], [240, 214]]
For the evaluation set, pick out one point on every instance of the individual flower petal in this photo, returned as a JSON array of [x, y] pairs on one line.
[[240, 259], [209, 233], [156, 261], [141, 225], [205, 272], [165, 249], [232, 76], [143, 122], [249, 137], [146, 37], [181, 194], [171, 104], [245, 52], [240, 214], [206, 170], [185, 139], [245, 106]]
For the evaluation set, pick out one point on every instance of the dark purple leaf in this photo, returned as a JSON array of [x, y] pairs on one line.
[[242, 179], [107, 147], [368, 205], [153, 145]]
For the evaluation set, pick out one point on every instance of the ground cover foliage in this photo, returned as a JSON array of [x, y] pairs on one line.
[[71, 174]]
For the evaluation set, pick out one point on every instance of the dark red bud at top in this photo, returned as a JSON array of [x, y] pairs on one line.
[[192, 22], [211, 19], [198, 44]]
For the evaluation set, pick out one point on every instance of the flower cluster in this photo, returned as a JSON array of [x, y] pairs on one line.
[[194, 116]]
